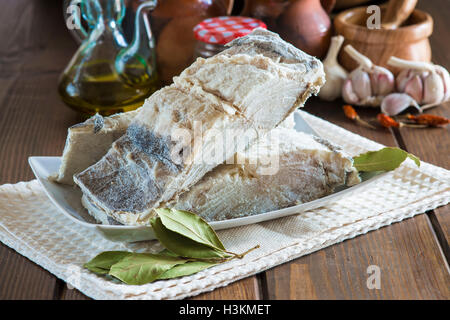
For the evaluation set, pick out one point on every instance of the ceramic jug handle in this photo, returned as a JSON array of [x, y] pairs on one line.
[[72, 16]]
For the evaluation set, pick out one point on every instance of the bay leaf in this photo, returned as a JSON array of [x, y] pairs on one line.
[[182, 245], [187, 269], [102, 262], [414, 158], [142, 268], [385, 159], [168, 253], [190, 226]]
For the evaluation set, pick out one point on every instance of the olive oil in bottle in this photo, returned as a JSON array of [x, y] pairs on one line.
[[95, 87]]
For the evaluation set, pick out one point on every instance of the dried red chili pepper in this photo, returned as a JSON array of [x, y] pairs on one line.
[[350, 113], [429, 119], [387, 121]]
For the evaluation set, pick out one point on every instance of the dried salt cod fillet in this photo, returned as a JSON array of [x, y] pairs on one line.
[[258, 71], [147, 165], [137, 174], [308, 168], [89, 141], [283, 169]]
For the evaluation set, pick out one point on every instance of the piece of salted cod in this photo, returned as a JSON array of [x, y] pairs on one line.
[[283, 169], [140, 171], [257, 73], [89, 141]]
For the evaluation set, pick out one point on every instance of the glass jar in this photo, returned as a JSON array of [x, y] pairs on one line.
[[206, 50], [212, 34]]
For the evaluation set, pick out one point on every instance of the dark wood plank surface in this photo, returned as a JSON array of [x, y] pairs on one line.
[[245, 289], [409, 258], [412, 255], [433, 146], [33, 120]]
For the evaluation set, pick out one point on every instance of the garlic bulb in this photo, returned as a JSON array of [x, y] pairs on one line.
[[335, 74], [426, 83], [368, 84]]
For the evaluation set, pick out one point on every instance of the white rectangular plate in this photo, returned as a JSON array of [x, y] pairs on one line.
[[68, 200]]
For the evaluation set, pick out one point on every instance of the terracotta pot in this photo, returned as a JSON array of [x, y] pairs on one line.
[[409, 41], [304, 23]]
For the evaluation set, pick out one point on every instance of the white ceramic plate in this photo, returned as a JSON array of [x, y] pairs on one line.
[[68, 200]]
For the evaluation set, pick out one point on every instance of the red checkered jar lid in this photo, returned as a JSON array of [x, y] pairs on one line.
[[221, 30]]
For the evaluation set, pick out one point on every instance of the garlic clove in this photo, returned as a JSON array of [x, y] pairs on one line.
[[414, 88], [348, 94], [406, 75], [402, 78], [335, 74], [395, 103], [433, 89], [381, 80], [443, 73], [361, 83]]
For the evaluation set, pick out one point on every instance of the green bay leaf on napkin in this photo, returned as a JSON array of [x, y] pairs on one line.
[[141, 268], [186, 269], [102, 263], [191, 245], [184, 246], [191, 226], [385, 159]]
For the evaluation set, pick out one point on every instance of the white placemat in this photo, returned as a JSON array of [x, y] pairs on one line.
[[31, 225]]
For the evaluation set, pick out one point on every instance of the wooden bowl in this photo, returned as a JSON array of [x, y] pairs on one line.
[[410, 41]]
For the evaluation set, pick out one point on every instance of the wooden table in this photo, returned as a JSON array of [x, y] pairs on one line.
[[412, 255]]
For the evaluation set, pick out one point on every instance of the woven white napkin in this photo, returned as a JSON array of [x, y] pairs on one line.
[[31, 225]]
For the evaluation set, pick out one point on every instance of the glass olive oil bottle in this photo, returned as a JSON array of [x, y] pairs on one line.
[[106, 75]]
